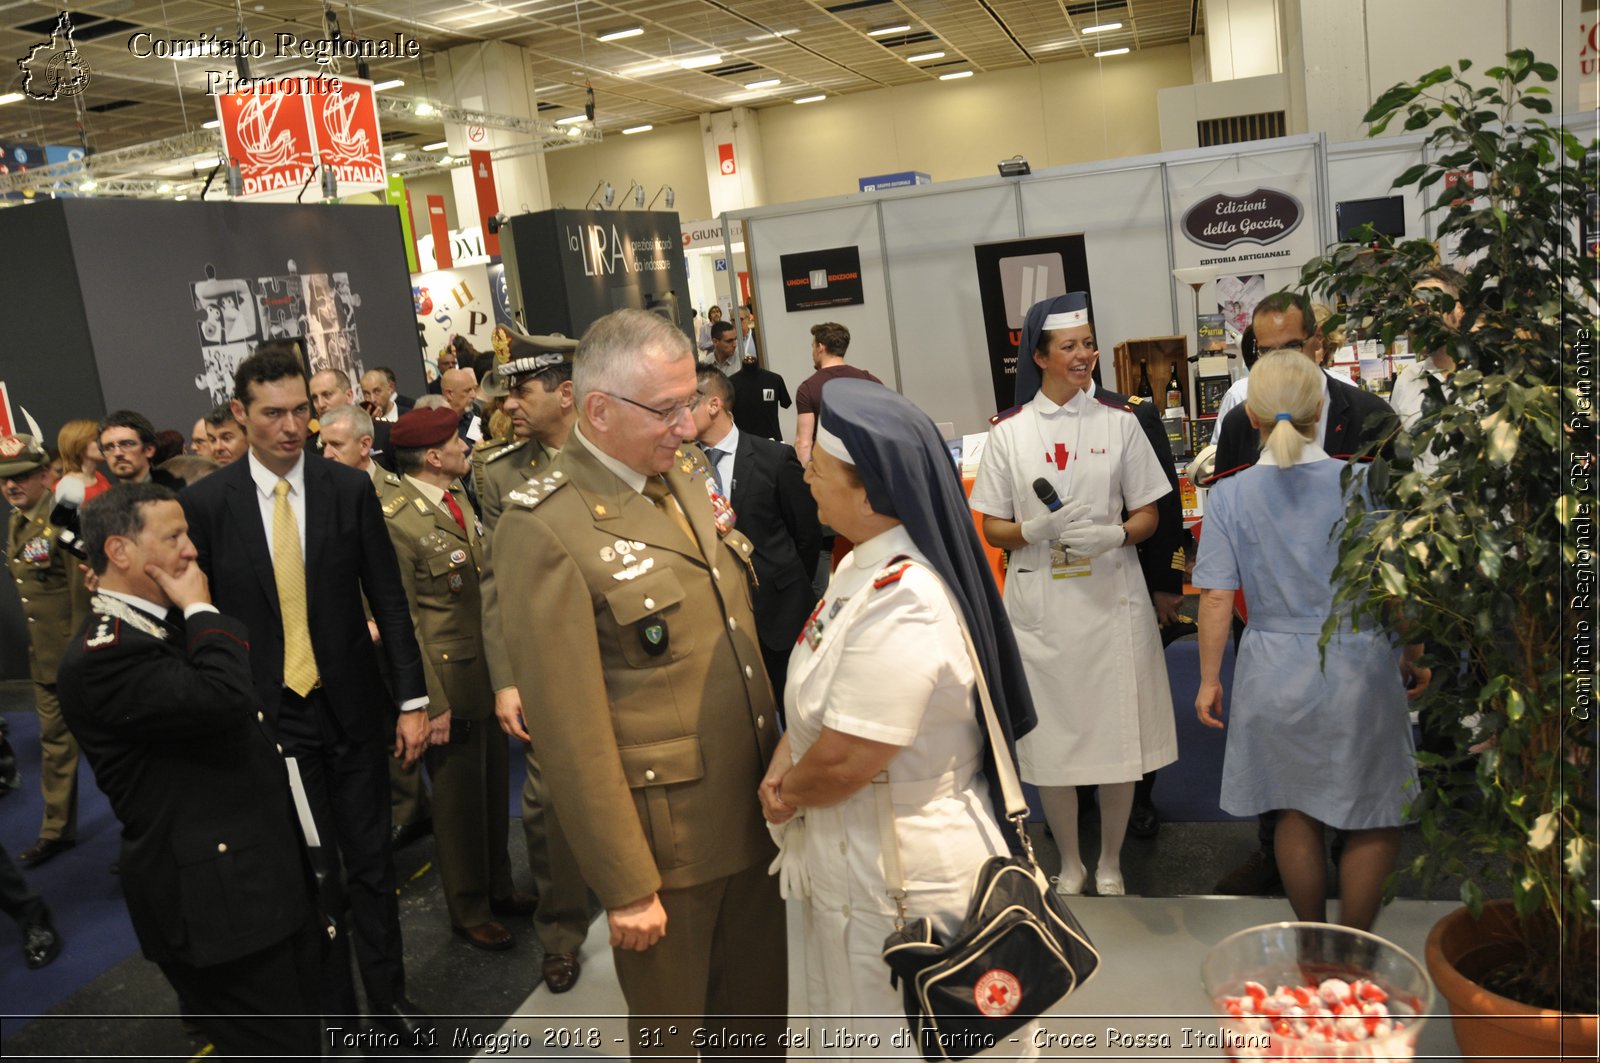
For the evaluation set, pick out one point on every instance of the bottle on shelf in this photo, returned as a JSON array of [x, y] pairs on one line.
[[1174, 389], [1145, 390]]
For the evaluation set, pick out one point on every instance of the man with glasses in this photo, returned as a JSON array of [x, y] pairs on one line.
[[1351, 419], [536, 384], [128, 441], [56, 604], [644, 691]]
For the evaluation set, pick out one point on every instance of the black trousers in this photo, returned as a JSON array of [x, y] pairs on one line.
[[777, 662], [263, 1004], [347, 783], [18, 899]]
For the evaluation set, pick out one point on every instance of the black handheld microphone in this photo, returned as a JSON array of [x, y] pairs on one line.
[[1047, 494], [69, 496]]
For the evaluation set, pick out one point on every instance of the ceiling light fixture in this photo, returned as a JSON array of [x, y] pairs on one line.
[[214, 123], [622, 35], [422, 109], [437, 145], [1016, 166], [1111, 51], [1106, 28], [695, 62], [10, 97], [954, 76], [574, 131], [766, 83], [398, 156], [884, 31], [810, 99], [770, 36], [637, 129], [180, 197], [392, 83], [569, 119], [925, 57]]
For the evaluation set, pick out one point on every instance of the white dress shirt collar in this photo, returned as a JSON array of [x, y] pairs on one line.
[[633, 479], [266, 480]]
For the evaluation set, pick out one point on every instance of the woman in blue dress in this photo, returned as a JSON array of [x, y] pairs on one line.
[[1323, 744]]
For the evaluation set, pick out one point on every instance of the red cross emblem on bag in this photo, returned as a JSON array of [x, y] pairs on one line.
[[997, 993]]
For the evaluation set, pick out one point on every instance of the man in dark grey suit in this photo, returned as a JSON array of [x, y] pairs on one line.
[[291, 543], [765, 484]]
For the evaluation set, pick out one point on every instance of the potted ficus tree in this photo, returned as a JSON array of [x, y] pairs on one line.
[[1478, 532]]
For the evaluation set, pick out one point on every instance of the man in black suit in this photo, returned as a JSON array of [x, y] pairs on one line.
[[291, 543], [164, 708], [773, 507], [1352, 419]]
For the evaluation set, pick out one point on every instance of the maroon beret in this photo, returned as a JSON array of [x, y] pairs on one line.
[[424, 428]]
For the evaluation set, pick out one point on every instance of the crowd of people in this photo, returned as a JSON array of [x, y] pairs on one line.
[[605, 551]]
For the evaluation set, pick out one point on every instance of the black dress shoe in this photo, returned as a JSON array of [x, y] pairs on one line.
[[43, 850], [560, 971], [40, 942], [406, 1021], [403, 834], [517, 905], [1143, 821]]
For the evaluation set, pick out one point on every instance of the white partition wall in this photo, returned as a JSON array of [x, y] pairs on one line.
[[920, 327], [1122, 215], [938, 322], [786, 338]]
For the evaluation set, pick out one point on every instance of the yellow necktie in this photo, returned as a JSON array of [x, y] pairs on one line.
[[657, 491], [289, 571]]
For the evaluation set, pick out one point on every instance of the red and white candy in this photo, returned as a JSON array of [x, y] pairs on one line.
[[1334, 1012]]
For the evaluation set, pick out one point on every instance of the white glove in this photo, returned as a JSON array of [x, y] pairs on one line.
[[1086, 539], [794, 880], [1049, 526]]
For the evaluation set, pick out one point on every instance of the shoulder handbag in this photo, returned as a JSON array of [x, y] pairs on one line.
[[1016, 954]]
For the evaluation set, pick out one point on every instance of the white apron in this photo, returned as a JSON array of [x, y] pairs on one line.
[[1089, 641], [888, 664]]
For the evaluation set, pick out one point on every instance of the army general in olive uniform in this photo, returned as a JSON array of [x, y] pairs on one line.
[[535, 383], [440, 543], [646, 693], [56, 604]]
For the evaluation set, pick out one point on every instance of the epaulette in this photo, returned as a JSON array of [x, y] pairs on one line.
[[1003, 414], [505, 448], [1114, 404], [537, 489], [897, 568], [1134, 400], [1180, 562], [394, 505], [107, 631]]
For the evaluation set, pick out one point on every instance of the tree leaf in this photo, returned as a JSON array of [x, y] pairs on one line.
[[1413, 172], [1503, 442], [1472, 897], [1543, 833], [1577, 859]]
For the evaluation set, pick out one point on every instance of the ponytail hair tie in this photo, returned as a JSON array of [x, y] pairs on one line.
[[1284, 417]]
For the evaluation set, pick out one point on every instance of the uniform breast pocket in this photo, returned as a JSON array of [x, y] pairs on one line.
[[651, 628], [447, 571], [658, 773]]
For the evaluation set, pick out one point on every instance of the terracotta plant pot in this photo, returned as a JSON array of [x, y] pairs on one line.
[[1491, 1028]]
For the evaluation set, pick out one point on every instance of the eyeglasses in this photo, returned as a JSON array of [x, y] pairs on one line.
[[126, 444], [666, 416]]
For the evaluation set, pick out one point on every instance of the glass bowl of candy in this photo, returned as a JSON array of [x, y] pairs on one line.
[[1315, 991]]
